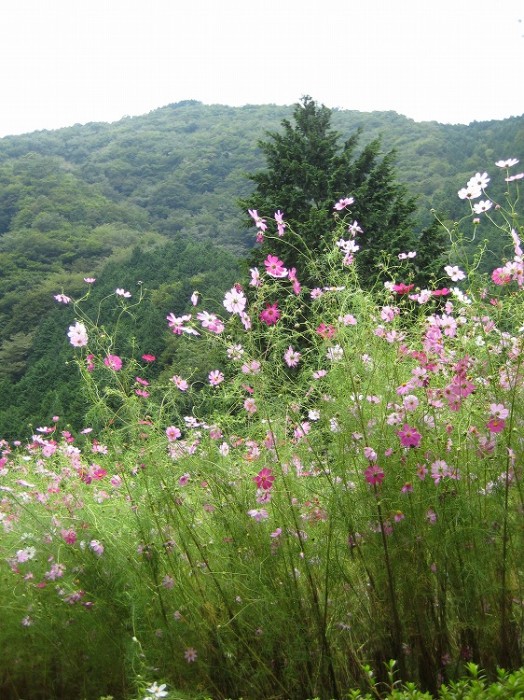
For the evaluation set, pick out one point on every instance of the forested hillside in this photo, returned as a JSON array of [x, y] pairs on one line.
[[154, 200]]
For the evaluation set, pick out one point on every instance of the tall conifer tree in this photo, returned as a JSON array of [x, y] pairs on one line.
[[309, 170]]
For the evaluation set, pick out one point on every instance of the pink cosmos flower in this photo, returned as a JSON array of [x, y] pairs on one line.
[[326, 331], [374, 475], [62, 298], [113, 362], [250, 405], [97, 547], [258, 514], [255, 277], [343, 203], [455, 273], [180, 383], [89, 280], [211, 322], [270, 314], [498, 410], [235, 301], [260, 223], [281, 225], [215, 377], [496, 425], [69, 536], [148, 358], [252, 367], [291, 357], [173, 433], [409, 437], [275, 267], [264, 479], [78, 335], [190, 655], [122, 293], [402, 288], [292, 276]]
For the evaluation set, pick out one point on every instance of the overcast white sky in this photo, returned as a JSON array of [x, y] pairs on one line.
[[74, 61]]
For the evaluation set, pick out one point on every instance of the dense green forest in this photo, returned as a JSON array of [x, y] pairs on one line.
[[151, 203]]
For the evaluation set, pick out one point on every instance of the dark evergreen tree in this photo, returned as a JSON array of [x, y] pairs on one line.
[[308, 171]]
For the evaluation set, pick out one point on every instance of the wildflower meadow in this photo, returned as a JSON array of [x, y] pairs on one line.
[[338, 508]]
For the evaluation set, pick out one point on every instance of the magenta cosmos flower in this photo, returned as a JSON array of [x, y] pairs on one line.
[[409, 437], [264, 479], [270, 314], [113, 362], [374, 475]]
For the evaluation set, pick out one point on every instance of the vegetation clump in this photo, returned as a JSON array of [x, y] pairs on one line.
[[312, 500]]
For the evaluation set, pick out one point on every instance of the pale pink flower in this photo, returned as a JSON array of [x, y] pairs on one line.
[[292, 276], [97, 547], [173, 433], [281, 225], [498, 410], [176, 323], [78, 335], [194, 298], [260, 223], [215, 377], [258, 514], [62, 298], [252, 367], [255, 277], [291, 357], [455, 273], [224, 449], [343, 203], [250, 405], [354, 228], [370, 454], [410, 402], [246, 320], [190, 655], [235, 301], [211, 322], [89, 280], [122, 293], [180, 383]]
